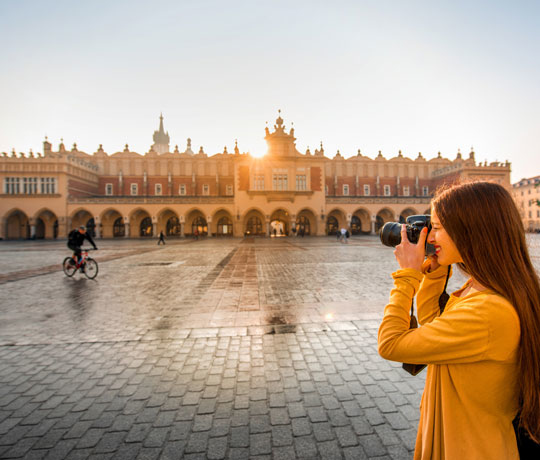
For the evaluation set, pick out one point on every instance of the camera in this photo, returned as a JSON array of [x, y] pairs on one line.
[[390, 233]]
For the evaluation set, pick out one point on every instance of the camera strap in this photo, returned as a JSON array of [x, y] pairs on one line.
[[414, 369]]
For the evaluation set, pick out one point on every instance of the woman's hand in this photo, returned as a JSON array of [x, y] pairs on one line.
[[411, 255]]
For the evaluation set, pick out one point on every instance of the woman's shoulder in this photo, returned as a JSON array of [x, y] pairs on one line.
[[492, 306]]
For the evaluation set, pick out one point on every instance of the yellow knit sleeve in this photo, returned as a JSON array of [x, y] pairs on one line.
[[460, 335], [431, 287]]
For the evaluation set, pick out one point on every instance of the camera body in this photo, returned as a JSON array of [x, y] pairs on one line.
[[390, 233]]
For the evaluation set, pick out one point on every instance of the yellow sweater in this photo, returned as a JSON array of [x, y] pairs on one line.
[[470, 396]]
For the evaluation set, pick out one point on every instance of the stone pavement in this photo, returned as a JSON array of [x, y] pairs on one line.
[[235, 348]]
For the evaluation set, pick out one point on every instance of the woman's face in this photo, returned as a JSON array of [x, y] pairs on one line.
[[445, 249]]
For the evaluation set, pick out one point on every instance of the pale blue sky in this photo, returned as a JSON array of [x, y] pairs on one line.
[[387, 75]]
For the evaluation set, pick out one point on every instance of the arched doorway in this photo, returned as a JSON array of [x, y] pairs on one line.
[[199, 226], [332, 225], [17, 226], [303, 226], [111, 224], [254, 226], [44, 224], [224, 227], [40, 229], [146, 228], [406, 213], [361, 222], [306, 223], [119, 229], [173, 227], [383, 216], [279, 223], [356, 225]]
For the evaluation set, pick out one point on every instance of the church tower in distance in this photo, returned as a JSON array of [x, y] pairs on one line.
[[161, 139]]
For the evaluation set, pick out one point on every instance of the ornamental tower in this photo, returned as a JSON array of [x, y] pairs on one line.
[[161, 139]]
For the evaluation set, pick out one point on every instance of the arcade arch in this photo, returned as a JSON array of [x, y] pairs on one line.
[[361, 222], [196, 223], [306, 222], [383, 216], [222, 223], [83, 217], [17, 225], [280, 222], [169, 223], [254, 223], [112, 224], [46, 225], [406, 213], [335, 221], [140, 224]]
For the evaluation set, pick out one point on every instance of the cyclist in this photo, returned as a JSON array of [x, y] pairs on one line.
[[75, 240]]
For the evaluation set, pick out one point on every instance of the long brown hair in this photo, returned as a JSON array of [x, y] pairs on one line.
[[484, 224]]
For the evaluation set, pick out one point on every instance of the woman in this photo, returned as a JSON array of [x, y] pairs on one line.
[[483, 351]]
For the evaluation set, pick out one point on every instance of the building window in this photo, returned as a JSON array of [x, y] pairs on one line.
[[366, 190], [48, 185], [280, 182], [229, 190], [537, 213], [406, 190], [108, 189], [530, 215], [206, 189], [326, 190], [425, 190], [29, 185], [158, 189], [300, 182], [182, 189], [258, 182], [11, 185], [386, 190], [134, 189], [345, 189]]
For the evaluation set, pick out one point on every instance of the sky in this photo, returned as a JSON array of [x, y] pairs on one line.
[[415, 76]]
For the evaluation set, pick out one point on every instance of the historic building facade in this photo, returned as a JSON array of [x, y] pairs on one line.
[[526, 194], [127, 194]]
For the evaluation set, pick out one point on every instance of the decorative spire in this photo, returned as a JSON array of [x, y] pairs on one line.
[[176, 149], [225, 151], [458, 157], [279, 120], [126, 148], [471, 154], [61, 147], [400, 154], [161, 138], [439, 155], [74, 149], [236, 150], [359, 153], [201, 151], [308, 152]]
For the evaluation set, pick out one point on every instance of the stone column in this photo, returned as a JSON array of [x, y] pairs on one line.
[[3, 233], [182, 230], [126, 228], [97, 227], [33, 229], [154, 229], [373, 220], [267, 227], [209, 225]]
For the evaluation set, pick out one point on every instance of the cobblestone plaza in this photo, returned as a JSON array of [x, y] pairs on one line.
[[216, 348]]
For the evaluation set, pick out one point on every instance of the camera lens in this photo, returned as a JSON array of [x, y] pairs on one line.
[[391, 234]]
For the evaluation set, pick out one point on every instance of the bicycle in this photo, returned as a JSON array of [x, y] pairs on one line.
[[87, 265]]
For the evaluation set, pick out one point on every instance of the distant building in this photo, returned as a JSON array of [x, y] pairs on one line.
[[526, 194], [127, 194]]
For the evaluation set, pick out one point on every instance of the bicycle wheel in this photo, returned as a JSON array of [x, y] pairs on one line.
[[69, 268], [90, 268]]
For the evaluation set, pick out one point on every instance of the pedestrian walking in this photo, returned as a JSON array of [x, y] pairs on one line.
[[482, 351], [343, 235], [161, 238]]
